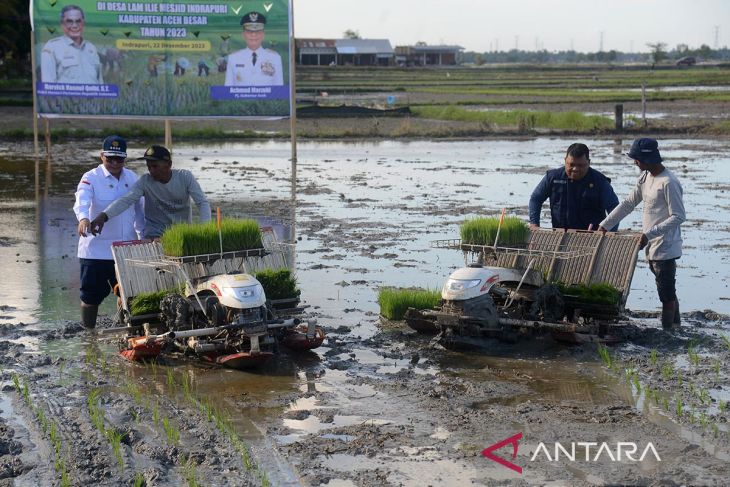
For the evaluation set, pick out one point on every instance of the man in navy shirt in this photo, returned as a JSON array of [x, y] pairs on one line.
[[580, 196]]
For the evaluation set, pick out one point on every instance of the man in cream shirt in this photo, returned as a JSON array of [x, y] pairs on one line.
[[70, 58], [663, 214]]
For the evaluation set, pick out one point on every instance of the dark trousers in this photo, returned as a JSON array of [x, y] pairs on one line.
[[98, 278], [665, 272]]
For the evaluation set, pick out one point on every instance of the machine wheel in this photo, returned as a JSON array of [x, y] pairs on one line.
[[549, 304], [176, 312], [484, 309], [215, 311]]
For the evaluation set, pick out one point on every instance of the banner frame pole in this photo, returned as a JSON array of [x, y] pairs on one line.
[[36, 142]]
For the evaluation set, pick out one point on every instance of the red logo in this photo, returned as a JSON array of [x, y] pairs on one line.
[[514, 441]]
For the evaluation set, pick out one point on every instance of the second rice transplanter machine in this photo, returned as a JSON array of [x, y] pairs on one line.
[[508, 292]]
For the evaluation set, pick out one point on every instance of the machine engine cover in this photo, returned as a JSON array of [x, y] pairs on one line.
[[470, 282], [239, 291]]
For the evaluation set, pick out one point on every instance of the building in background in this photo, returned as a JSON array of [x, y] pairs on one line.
[[425, 55], [340, 52]]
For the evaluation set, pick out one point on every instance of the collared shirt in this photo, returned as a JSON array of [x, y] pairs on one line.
[[97, 189], [266, 71], [663, 213], [62, 61], [574, 204]]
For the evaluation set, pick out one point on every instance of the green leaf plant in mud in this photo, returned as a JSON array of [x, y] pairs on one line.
[[139, 480], [601, 293], [667, 371], [394, 302], [678, 406], [149, 303], [483, 231], [190, 473], [726, 341], [653, 357]]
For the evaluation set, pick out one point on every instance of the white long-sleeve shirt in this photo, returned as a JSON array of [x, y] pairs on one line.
[[96, 190], [663, 213]]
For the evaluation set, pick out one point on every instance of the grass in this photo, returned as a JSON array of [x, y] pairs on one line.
[[395, 301], [483, 231], [278, 283], [653, 358], [202, 238], [172, 431], [601, 293], [522, 119]]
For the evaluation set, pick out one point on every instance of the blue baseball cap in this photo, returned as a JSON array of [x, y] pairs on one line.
[[114, 146], [646, 151]]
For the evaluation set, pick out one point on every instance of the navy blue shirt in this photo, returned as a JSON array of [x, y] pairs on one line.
[[574, 204]]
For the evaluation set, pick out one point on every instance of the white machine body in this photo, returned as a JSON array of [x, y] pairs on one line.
[[238, 291], [473, 281]]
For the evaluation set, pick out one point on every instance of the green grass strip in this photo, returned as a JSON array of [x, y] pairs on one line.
[[278, 283], [482, 231], [395, 301], [516, 118], [202, 238]]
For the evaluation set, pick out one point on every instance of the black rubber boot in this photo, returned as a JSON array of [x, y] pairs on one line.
[[677, 316], [668, 312], [88, 315]]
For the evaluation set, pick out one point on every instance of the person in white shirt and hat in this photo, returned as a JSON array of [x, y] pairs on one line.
[[96, 190], [70, 58], [663, 214], [254, 65]]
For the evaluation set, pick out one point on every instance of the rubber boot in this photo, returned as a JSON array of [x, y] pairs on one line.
[[668, 312], [677, 316], [88, 315]]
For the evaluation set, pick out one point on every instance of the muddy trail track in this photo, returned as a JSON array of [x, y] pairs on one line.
[[378, 404]]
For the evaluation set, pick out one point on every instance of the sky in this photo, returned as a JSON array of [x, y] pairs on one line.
[[487, 25]]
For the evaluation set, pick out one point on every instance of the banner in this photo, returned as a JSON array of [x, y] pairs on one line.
[[179, 58]]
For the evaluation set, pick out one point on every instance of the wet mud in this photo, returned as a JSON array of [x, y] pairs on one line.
[[378, 404]]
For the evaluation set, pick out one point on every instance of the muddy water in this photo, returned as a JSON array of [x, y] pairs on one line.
[[363, 215]]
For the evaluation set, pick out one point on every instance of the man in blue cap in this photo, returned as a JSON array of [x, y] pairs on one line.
[[96, 190], [580, 196], [254, 65], [661, 193]]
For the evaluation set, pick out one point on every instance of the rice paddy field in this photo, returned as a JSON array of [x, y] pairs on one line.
[[377, 404]]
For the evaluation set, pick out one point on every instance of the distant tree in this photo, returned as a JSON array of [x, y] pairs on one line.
[[658, 51], [14, 39], [705, 52], [478, 59], [682, 49], [351, 34], [421, 43]]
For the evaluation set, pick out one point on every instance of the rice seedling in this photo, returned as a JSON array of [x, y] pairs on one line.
[[726, 341], [602, 293], [703, 419], [694, 357], [679, 377], [722, 406], [394, 302], [16, 382], [189, 472], [704, 396], [139, 480], [605, 355], [715, 430], [26, 394], [95, 412], [115, 439], [678, 406], [653, 357], [278, 283], [170, 380], [134, 391], [156, 413], [667, 371], [716, 367], [172, 432], [196, 239], [691, 416], [483, 231], [636, 383], [665, 404]]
